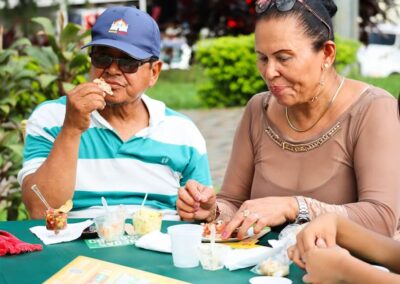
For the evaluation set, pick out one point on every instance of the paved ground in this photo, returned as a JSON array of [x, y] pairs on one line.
[[218, 127]]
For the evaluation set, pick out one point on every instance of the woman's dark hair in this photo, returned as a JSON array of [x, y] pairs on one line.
[[312, 26]]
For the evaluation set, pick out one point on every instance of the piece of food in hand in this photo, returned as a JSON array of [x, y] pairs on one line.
[[56, 220], [104, 86], [147, 220], [271, 267], [219, 227]]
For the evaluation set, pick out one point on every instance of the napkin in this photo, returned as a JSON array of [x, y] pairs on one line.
[[12, 245], [242, 258], [155, 241], [70, 233]]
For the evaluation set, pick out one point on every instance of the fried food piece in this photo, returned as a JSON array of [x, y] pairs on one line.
[[104, 86]]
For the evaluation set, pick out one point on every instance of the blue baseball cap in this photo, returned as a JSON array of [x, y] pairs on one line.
[[129, 30]]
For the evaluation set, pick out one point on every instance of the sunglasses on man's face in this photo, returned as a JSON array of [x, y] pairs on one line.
[[287, 5], [125, 64]]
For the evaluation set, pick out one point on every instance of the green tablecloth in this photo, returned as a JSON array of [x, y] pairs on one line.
[[37, 267]]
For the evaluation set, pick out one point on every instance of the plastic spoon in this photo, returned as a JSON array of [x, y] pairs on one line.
[[105, 205], [41, 197]]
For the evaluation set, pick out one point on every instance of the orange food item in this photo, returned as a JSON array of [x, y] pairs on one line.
[[56, 220], [219, 227]]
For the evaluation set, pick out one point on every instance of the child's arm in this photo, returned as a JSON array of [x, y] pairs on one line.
[[360, 241], [336, 265], [368, 245]]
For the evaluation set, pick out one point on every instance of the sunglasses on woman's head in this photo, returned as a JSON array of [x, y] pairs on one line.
[[125, 64], [287, 5]]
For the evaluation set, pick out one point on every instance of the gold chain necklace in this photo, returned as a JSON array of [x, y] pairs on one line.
[[323, 113]]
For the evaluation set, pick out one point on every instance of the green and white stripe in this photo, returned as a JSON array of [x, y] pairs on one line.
[[158, 160]]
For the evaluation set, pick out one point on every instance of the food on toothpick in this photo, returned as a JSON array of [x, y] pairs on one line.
[[104, 86], [147, 220]]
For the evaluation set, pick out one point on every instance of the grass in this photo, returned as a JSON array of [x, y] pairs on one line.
[[178, 88], [390, 83]]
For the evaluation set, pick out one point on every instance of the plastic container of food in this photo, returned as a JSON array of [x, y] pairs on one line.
[[212, 257], [56, 220], [110, 227], [147, 220]]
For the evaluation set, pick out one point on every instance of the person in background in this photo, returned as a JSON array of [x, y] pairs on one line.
[[317, 142], [117, 143], [323, 247]]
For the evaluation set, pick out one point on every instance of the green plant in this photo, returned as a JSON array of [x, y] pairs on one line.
[[346, 52], [28, 76], [230, 64]]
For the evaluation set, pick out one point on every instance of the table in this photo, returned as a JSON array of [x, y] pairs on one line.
[[36, 267]]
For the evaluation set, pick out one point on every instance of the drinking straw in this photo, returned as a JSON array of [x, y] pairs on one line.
[[144, 200]]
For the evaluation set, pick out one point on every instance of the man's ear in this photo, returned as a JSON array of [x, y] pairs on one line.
[[155, 72], [329, 50]]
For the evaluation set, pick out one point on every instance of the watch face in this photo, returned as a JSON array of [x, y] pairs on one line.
[[302, 220]]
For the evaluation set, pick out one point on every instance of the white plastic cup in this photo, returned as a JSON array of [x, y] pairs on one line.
[[185, 240]]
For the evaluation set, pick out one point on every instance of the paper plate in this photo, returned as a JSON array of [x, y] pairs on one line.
[[269, 280], [249, 236]]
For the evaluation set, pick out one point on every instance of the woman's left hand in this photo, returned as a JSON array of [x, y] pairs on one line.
[[261, 212]]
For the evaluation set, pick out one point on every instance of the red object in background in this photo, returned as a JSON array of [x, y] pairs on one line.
[[90, 19], [231, 24], [156, 13]]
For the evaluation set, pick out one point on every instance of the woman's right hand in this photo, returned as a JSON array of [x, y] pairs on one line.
[[196, 201]]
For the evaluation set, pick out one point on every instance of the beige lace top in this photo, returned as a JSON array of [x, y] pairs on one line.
[[352, 169]]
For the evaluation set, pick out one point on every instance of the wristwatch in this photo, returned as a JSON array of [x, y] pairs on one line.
[[303, 215]]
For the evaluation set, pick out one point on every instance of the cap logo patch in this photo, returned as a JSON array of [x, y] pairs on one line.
[[119, 27]]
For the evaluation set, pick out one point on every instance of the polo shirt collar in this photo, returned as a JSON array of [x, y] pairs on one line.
[[156, 112]]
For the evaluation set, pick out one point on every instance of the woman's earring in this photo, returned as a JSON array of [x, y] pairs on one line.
[[326, 65]]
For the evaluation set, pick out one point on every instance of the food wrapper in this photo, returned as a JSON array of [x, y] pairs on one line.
[[278, 264]]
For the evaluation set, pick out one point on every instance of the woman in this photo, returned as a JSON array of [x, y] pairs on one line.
[[317, 142], [316, 251]]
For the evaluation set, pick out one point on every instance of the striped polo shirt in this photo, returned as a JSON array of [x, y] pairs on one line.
[[157, 160]]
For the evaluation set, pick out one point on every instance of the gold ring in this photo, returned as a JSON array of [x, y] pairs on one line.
[[246, 213]]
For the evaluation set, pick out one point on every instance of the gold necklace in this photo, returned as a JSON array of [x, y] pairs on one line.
[[323, 113]]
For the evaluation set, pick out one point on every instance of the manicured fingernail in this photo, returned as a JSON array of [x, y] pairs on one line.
[[224, 235], [197, 197]]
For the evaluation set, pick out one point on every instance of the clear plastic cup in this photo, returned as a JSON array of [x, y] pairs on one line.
[[185, 240], [213, 258], [110, 227], [147, 220], [56, 220]]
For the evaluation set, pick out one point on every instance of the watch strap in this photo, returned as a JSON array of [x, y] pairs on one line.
[[303, 216]]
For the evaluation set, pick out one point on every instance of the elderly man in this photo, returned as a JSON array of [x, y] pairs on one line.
[[108, 138]]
